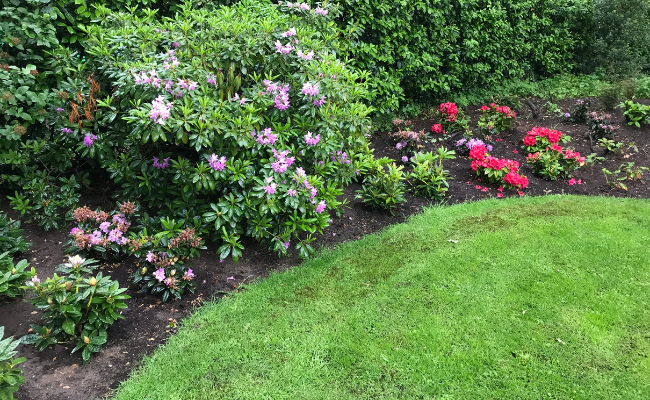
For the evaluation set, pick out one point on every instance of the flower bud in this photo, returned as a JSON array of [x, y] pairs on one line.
[[86, 339], [47, 332], [13, 271], [92, 281], [68, 285], [49, 301], [64, 299], [143, 270]]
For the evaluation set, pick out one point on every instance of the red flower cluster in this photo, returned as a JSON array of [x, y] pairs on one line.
[[551, 135], [450, 110], [569, 154], [500, 109], [482, 161], [437, 128]]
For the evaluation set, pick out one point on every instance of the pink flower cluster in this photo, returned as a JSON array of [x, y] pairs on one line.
[[281, 93], [449, 110], [160, 110], [309, 89], [505, 110], [216, 163], [340, 157], [551, 137], [265, 137], [301, 6], [437, 128], [171, 62], [289, 33], [281, 162], [321, 11], [482, 161], [88, 139], [312, 140], [305, 56], [283, 49], [270, 186]]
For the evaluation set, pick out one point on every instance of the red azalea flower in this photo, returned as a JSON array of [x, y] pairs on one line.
[[500, 189], [477, 187], [436, 128], [499, 195], [484, 189], [571, 182], [515, 151], [520, 192], [579, 181]]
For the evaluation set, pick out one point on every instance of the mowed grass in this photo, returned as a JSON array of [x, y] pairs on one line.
[[539, 298]]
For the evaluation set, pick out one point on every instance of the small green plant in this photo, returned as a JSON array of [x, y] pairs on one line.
[[592, 159], [10, 377], [12, 277], [429, 178], [11, 240], [552, 108], [611, 146], [632, 172], [384, 190], [635, 113], [76, 307]]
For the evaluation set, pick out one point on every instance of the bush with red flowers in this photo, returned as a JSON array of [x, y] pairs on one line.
[[547, 157], [495, 119], [451, 119], [496, 170]]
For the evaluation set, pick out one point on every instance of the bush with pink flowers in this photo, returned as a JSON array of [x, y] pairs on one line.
[[495, 119], [547, 158], [242, 117], [496, 170]]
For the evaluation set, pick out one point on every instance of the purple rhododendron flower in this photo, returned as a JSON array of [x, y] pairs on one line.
[[266, 137], [289, 33], [310, 89], [270, 188], [104, 226], [292, 192], [76, 231], [151, 257], [59, 109], [88, 139], [279, 48], [114, 235], [305, 56], [161, 165], [321, 11], [405, 159], [217, 164], [159, 274], [67, 131], [321, 206], [312, 140], [319, 102], [189, 273]]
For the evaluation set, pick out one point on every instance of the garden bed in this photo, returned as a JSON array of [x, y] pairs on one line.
[[56, 374]]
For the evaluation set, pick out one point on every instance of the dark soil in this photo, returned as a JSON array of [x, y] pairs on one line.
[[56, 374]]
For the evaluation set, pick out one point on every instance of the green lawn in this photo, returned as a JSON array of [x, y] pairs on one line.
[[539, 298]]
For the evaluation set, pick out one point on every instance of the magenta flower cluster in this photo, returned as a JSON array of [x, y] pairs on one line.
[[88, 139], [216, 163], [340, 157], [281, 162], [309, 89], [161, 165], [312, 140], [281, 93], [265, 137]]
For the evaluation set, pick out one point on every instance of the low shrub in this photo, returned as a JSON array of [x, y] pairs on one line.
[[383, 189], [452, 119], [464, 145], [11, 240], [428, 177], [162, 253], [13, 277], [77, 307], [547, 157], [495, 119], [635, 113], [600, 125], [10, 377], [496, 170]]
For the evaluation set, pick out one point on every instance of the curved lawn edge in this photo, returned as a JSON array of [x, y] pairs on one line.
[[325, 329]]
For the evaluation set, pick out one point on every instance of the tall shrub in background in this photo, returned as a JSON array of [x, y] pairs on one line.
[[241, 115]]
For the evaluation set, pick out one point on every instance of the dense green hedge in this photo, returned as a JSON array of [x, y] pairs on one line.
[[421, 48]]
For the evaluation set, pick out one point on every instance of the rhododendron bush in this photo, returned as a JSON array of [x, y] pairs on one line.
[[547, 157], [496, 170], [495, 119], [242, 116]]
